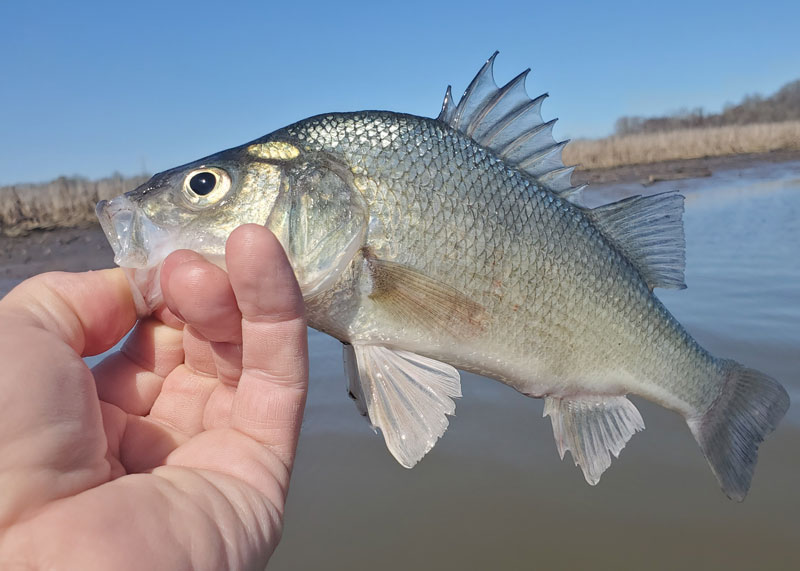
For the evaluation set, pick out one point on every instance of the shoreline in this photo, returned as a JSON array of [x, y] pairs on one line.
[[85, 248], [649, 173]]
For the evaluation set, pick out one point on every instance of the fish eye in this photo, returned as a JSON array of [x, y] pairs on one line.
[[206, 186], [203, 182]]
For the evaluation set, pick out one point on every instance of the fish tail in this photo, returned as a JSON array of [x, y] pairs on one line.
[[750, 406]]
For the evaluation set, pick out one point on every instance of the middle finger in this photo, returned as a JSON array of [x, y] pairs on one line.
[[200, 294]]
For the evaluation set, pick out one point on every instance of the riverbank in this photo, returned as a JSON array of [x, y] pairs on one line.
[[679, 169], [64, 249], [680, 144]]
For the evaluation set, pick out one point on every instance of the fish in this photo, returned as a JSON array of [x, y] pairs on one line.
[[429, 245]]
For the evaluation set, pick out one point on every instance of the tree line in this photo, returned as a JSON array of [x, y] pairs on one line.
[[784, 105]]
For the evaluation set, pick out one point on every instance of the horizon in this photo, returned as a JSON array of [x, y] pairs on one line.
[[94, 89]]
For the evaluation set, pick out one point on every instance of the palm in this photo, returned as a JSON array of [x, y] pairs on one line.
[[181, 455]]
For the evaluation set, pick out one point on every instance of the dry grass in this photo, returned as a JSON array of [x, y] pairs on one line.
[[683, 144], [62, 203]]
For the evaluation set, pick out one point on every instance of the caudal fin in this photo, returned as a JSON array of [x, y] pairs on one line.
[[750, 407]]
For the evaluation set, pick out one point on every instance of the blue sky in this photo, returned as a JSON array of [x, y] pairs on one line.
[[91, 87]]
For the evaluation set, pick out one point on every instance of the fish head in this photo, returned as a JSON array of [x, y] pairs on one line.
[[307, 200], [194, 206]]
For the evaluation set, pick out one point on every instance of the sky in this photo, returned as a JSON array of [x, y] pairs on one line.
[[95, 87]]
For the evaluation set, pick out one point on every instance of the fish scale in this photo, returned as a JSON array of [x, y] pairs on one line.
[[526, 242], [429, 244]]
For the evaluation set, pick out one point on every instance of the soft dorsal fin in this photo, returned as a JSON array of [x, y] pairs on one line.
[[649, 231], [508, 122]]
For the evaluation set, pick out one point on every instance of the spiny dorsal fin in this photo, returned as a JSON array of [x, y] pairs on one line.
[[448, 107], [649, 231], [508, 122], [558, 180]]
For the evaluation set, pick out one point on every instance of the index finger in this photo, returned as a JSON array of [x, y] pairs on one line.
[[89, 311], [269, 401]]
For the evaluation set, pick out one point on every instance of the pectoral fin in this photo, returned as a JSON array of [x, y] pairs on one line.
[[406, 396], [592, 429], [413, 296]]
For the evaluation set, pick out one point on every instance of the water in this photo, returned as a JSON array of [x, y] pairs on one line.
[[493, 493], [6, 285]]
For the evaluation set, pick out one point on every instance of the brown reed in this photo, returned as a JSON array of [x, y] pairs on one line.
[[61, 203], [682, 144]]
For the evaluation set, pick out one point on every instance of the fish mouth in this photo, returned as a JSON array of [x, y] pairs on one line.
[[139, 247], [135, 239]]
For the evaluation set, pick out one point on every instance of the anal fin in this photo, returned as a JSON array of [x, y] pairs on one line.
[[592, 428], [405, 395]]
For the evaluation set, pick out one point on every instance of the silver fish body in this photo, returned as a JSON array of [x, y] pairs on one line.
[[558, 307], [428, 244]]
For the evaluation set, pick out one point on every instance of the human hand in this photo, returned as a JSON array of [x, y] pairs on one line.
[[174, 453]]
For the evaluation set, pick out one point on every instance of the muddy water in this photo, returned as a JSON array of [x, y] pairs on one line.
[[493, 493]]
